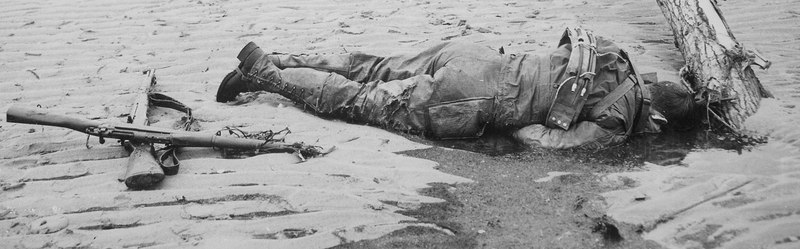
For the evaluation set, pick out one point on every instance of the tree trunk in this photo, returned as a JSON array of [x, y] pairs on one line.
[[717, 66]]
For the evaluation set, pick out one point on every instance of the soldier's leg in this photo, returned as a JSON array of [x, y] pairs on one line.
[[358, 67], [355, 66], [395, 104]]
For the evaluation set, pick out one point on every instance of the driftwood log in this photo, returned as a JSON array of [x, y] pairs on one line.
[[717, 67]]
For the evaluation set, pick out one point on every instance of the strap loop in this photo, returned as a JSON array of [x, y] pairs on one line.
[[167, 156], [168, 160]]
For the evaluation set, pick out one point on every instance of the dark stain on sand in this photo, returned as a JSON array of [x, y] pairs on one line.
[[506, 208]]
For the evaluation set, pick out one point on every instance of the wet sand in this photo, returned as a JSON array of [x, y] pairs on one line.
[[86, 57]]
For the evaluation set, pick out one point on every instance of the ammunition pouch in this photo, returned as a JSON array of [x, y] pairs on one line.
[[459, 119], [577, 82]]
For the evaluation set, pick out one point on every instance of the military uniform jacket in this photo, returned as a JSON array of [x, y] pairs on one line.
[[535, 77]]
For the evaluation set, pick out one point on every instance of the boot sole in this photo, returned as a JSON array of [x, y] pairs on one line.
[[222, 97]]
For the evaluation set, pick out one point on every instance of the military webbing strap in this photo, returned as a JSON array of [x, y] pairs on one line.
[[161, 100], [644, 109], [573, 91], [166, 156], [619, 91]]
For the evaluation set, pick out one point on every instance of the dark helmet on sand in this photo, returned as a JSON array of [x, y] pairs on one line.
[[676, 102]]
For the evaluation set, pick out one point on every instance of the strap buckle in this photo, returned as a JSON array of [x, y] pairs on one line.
[[580, 72]]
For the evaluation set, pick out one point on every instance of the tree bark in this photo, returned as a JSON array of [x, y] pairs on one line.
[[717, 66]]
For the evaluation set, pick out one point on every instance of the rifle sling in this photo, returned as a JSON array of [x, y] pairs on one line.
[[166, 156], [168, 160], [162, 100]]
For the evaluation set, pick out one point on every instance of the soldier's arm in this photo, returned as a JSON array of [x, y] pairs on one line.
[[584, 134]]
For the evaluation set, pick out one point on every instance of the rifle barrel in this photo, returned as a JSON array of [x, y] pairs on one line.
[[139, 133], [30, 115], [200, 140]]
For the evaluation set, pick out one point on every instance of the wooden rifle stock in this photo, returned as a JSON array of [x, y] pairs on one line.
[[143, 170]]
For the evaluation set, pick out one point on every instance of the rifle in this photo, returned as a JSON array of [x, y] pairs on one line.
[[143, 170], [148, 134]]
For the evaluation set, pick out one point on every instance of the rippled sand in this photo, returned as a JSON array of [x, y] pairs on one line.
[[85, 57]]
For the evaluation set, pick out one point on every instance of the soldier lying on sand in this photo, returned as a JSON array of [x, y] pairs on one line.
[[586, 93]]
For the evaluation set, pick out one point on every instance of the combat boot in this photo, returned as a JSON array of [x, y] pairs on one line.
[[259, 69], [233, 84]]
